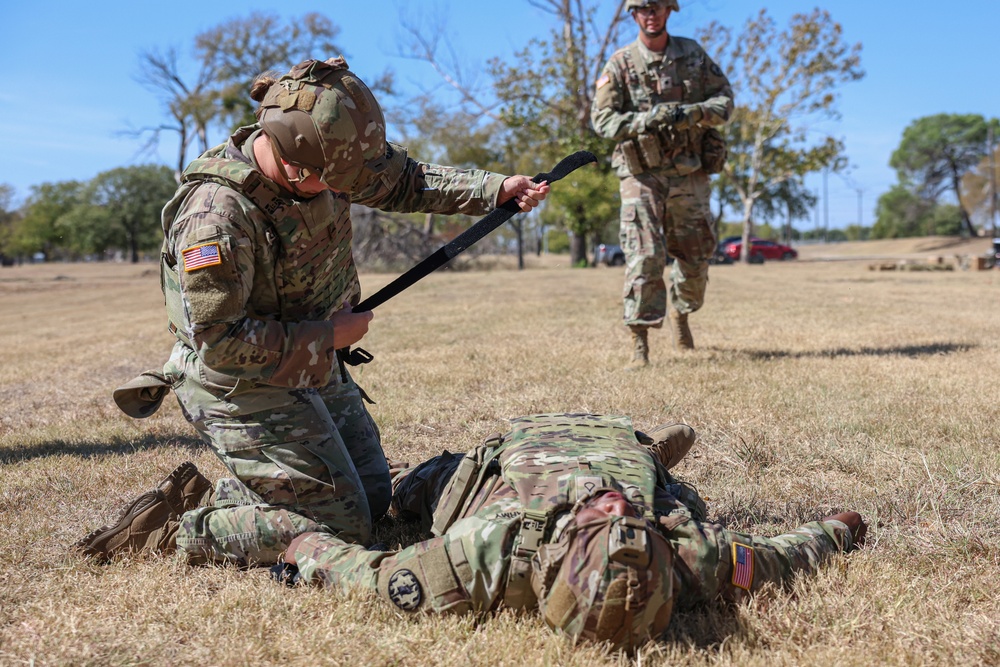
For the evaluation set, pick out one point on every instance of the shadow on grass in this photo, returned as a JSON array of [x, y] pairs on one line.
[[705, 628], [928, 350], [86, 450]]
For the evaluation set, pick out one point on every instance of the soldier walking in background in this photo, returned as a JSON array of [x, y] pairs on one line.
[[259, 283], [660, 98]]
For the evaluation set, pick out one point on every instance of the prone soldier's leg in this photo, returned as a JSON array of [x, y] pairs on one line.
[[690, 240], [713, 562], [642, 215], [416, 491]]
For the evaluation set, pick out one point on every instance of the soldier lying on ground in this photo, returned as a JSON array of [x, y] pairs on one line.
[[569, 515], [575, 515]]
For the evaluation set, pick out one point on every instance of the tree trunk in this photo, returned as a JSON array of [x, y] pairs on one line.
[[519, 229], [747, 231], [578, 250]]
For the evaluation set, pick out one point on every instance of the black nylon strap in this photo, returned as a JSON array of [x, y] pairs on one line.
[[476, 232]]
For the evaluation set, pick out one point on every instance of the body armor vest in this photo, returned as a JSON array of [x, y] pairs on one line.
[[671, 82], [309, 241], [552, 461]]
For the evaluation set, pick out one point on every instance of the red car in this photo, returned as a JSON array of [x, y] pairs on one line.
[[760, 250]]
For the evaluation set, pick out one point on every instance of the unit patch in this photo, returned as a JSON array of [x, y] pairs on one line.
[[742, 566], [200, 256], [405, 591]]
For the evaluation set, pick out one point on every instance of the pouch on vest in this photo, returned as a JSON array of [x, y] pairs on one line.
[[462, 485], [713, 151], [142, 396]]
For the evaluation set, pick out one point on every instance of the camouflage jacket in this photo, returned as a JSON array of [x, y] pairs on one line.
[[636, 79], [530, 475], [251, 275]]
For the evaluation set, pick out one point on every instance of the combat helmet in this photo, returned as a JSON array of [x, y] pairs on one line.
[[323, 119], [632, 5], [607, 580]]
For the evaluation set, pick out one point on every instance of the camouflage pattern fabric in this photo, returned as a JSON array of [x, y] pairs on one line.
[[249, 295], [664, 190], [465, 569]]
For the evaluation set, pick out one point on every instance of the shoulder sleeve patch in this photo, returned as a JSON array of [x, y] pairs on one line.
[[201, 256], [742, 566], [603, 81], [405, 590]]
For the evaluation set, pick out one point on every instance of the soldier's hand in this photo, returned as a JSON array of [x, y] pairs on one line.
[[688, 115], [349, 328], [661, 115], [523, 190]]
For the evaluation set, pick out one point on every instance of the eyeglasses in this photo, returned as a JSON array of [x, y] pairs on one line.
[[650, 10]]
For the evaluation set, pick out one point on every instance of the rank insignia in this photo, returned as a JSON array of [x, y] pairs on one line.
[[742, 566], [405, 591], [200, 256]]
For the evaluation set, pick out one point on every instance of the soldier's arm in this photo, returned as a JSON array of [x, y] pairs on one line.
[[717, 107], [713, 562], [407, 186], [459, 572], [214, 293], [608, 114]]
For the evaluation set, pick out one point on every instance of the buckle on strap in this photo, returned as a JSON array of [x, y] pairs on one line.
[[531, 535]]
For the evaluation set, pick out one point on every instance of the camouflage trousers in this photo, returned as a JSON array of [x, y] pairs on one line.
[[665, 216], [308, 459], [706, 558]]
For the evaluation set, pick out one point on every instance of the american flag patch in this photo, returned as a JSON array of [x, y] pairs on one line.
[[742, 566], [603, 81], [200, 256]]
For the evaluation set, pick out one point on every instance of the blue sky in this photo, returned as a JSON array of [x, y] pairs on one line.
[[70, 66]]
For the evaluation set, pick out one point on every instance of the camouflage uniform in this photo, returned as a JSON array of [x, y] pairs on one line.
[[492, 508], [664, 187], [251, 277]]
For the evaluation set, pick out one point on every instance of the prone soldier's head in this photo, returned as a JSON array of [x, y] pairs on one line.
[[323, 119], [607, 578]]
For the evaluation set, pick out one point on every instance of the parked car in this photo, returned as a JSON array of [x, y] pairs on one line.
[[612, 255], [760, 250]]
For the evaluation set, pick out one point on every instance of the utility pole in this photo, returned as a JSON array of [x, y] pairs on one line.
[[991, 153], [826, 204]]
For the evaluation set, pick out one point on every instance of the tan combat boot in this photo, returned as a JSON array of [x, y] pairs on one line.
[[640, 347], [671, 442], [683, 340], [149, 523]]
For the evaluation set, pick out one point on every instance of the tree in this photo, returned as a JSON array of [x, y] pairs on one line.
[[785, 83], [190, 105], [979, 190], [937, 151], [120, 208], [8, 219], [903, 213], [39, 229], [542, 100], [240, 49], [226, 60]]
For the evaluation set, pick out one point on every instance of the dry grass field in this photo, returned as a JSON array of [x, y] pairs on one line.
[[816, 387]]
